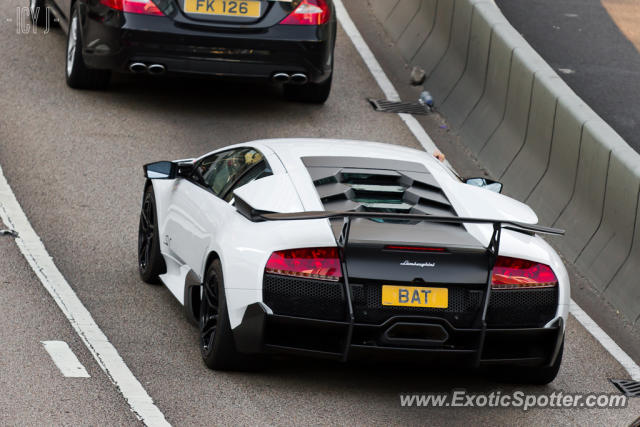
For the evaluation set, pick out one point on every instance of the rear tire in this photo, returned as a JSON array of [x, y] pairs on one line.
[[217, 345], [541, 375], [77, 73], [150, 261], [312, 93]]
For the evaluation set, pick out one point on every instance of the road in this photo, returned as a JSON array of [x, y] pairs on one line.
[[591, 44], [74, 161]]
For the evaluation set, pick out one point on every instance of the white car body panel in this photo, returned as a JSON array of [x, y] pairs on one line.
[[193, 223]]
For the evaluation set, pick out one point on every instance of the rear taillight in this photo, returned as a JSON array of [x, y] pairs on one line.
[[311, 263], [309, 12], [515, 273], [144, 7]]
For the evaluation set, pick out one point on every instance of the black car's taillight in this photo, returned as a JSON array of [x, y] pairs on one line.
[[309, 12], [144, 7]]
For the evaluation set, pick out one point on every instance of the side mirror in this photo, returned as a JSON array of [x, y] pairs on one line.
[[487, 183], [160, 170]]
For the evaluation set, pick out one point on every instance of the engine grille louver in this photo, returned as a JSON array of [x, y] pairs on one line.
[[379, 190]]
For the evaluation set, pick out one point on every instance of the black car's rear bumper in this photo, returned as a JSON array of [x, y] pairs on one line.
[[115, 40], [262, 332]]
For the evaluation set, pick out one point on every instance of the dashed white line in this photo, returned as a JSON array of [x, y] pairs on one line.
[[65, 359], [421, 135], [81, 320]]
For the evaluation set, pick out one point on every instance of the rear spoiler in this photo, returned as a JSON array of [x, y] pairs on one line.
[[259, 216]]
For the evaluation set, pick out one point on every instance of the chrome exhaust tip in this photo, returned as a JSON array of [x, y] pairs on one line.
[[137, 67], [281, 77], [156, 69], [299, 78]]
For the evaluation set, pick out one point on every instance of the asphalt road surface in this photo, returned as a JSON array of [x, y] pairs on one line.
[[593, 52], [74, 159]]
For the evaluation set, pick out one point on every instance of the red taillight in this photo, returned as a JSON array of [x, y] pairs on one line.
[[309, 12], [312, 263], [145, 7], [514, 273]]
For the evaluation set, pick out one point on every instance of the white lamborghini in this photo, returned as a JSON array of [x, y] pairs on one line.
[[350, 249]]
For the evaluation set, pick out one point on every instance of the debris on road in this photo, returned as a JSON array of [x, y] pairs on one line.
[[11, 233], [417, 76]]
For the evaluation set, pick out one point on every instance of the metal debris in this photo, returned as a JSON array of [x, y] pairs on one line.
[[11, 233]]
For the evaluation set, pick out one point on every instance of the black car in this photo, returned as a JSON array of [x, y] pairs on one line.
[[288, 42]]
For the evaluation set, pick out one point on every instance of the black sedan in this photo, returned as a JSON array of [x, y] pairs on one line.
[[288, 42]]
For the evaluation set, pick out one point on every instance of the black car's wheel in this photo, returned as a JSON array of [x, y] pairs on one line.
[[77, 73], [38, 12], [217, 346], [536, 376], [313, 93], [150, 261]]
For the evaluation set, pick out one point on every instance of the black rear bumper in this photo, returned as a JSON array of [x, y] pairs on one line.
[[115, 40], [398, 338]]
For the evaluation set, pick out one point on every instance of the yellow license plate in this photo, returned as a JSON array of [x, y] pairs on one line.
[[243, 9], [411, 296]]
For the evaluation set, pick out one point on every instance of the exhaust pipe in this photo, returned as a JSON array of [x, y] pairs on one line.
[[299, 79], [156, 69], [137, 67], [281, 77]]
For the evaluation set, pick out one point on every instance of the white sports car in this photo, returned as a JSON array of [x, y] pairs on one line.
[[351, 249]]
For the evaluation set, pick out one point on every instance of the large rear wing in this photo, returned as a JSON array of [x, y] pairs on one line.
[[504, 223], [258, 216]]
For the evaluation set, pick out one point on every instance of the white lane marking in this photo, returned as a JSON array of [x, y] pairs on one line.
[[607, 342], [381, 78], [54, 282], [424, 139], [65, 359]]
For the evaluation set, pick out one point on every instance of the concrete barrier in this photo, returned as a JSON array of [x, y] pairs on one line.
[[400, 17], [430, 53], [529, 129], [529, 165], [619, 292], [450, 68], [468, 90], [382, 9], [583, 214], [614, 236], [508, 139], [419, 29], [553, 192]]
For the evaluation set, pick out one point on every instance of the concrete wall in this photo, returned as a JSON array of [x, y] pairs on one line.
[[530, 130]]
